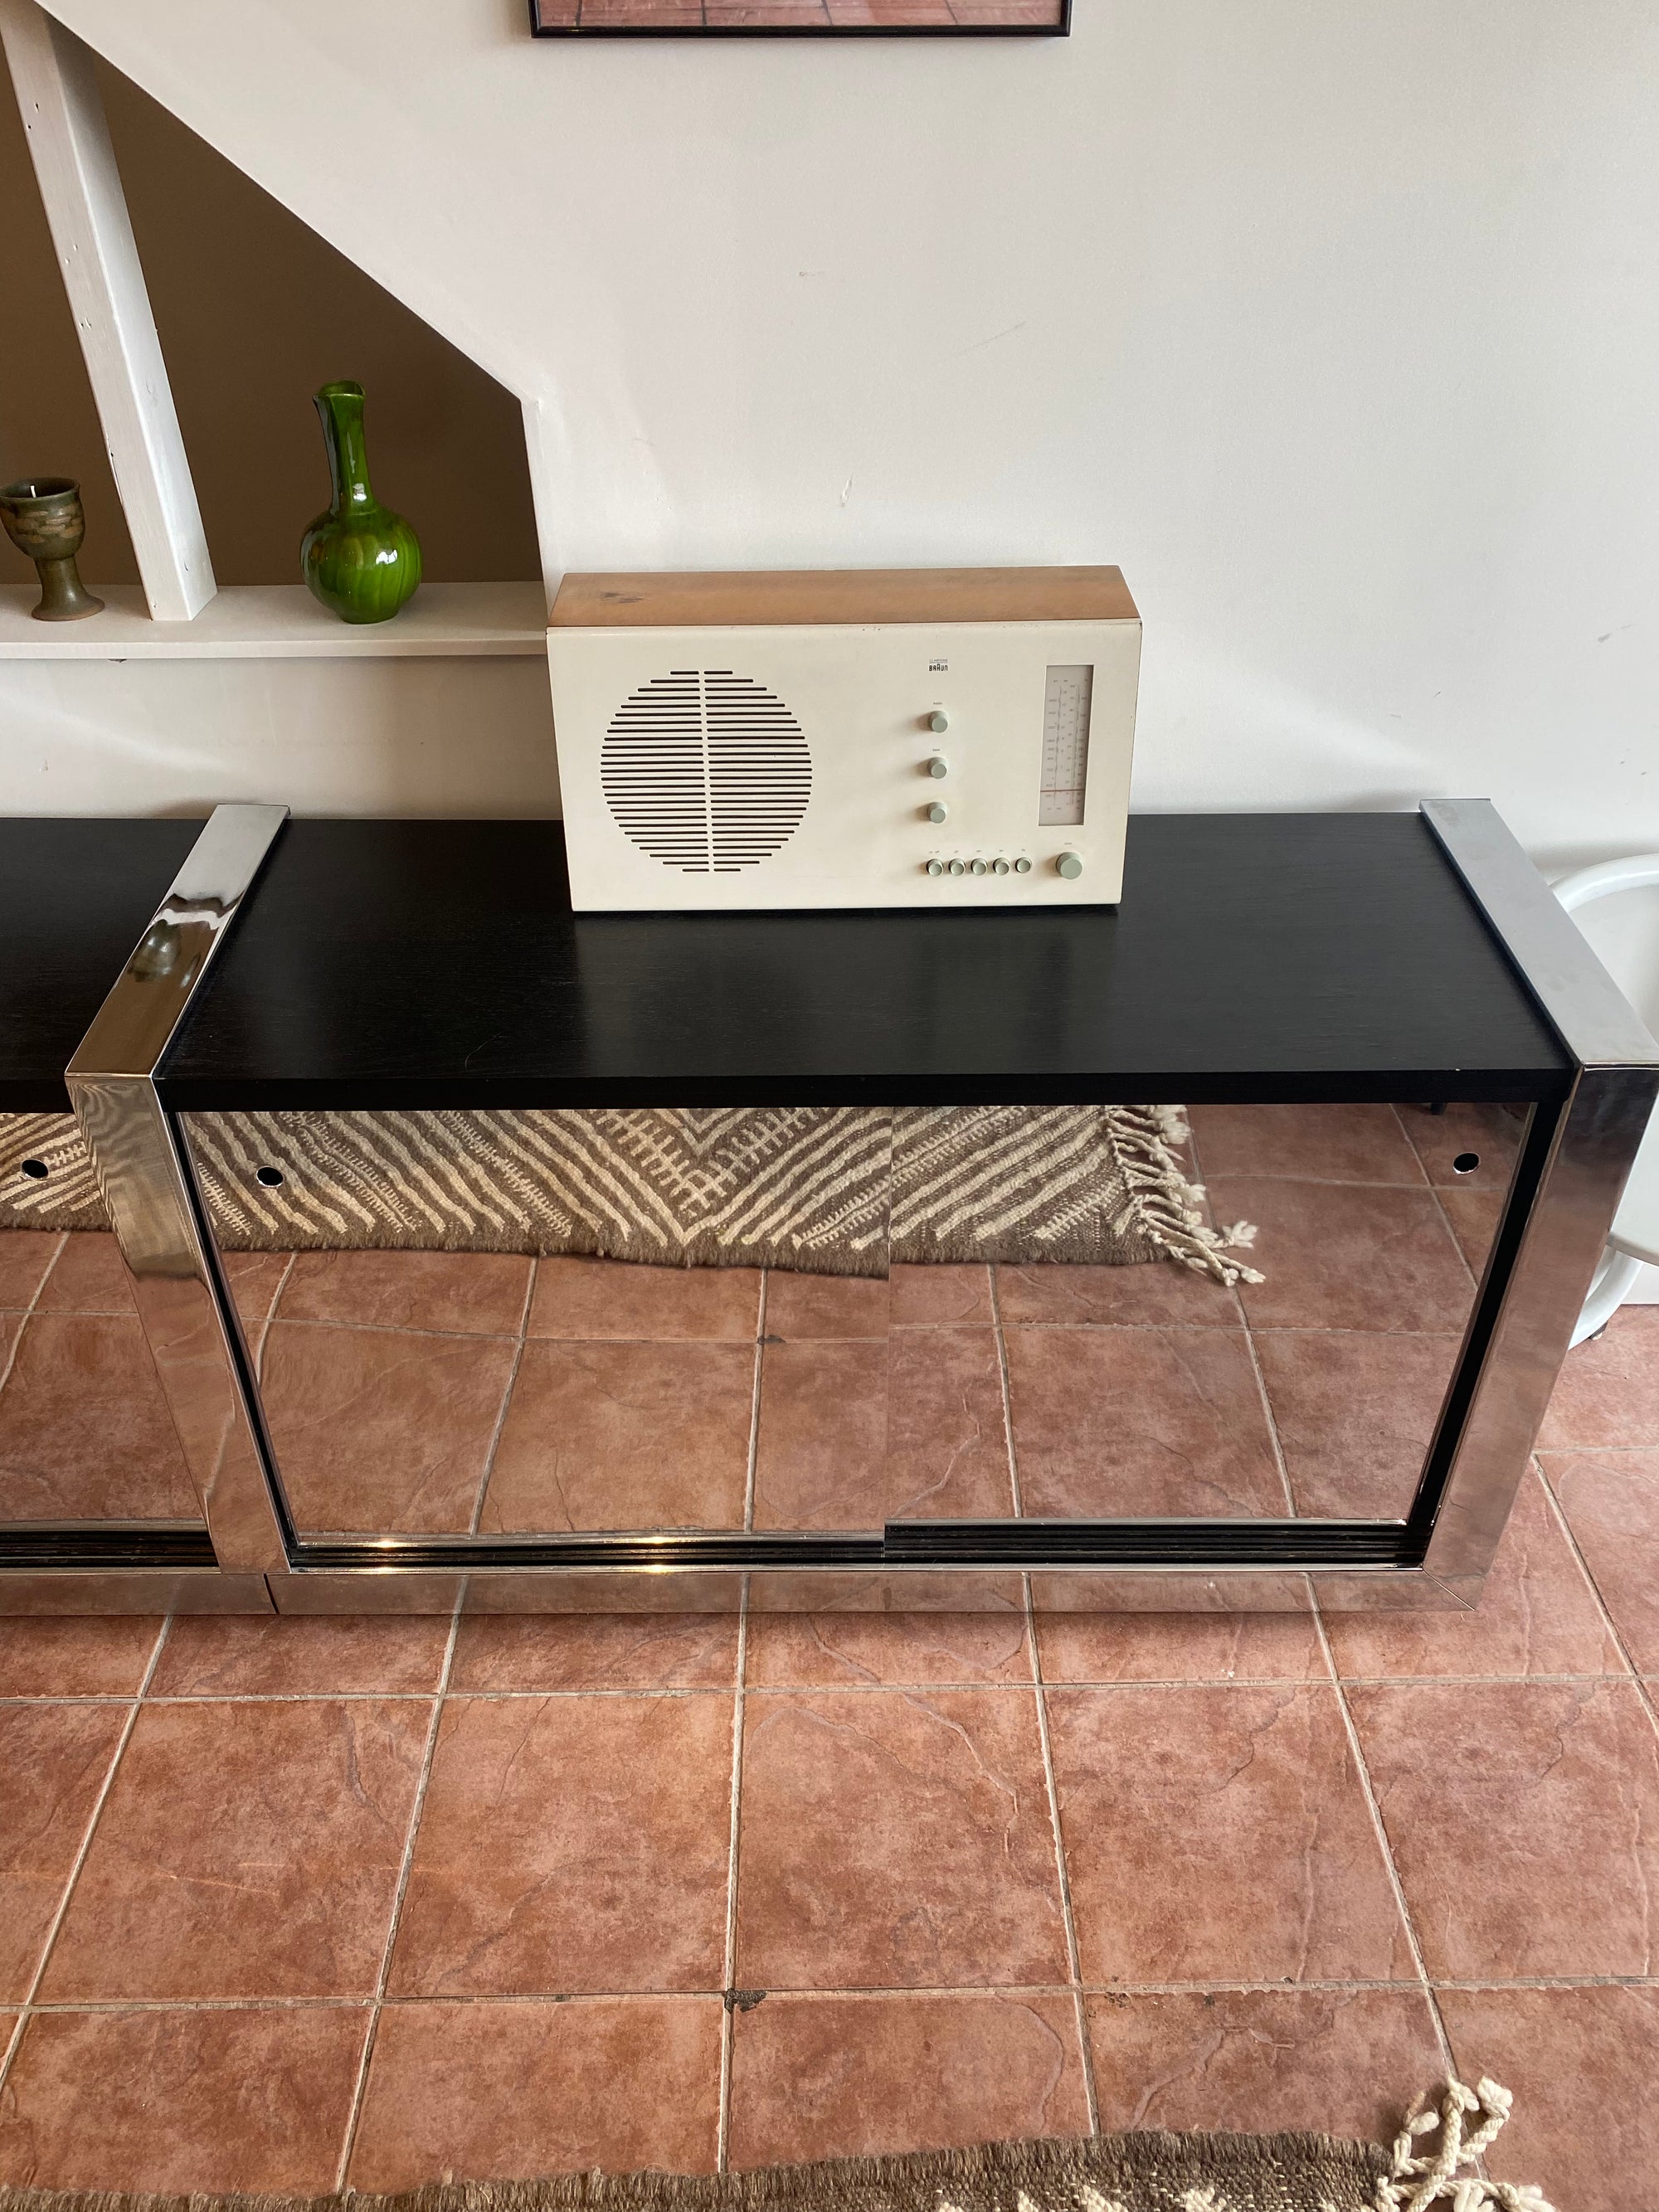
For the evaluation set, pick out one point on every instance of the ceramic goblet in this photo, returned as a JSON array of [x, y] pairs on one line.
[[44, 518]]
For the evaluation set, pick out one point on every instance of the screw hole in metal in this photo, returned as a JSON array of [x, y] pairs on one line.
[[1466, 1162], [37, 1170], [271, 1177]]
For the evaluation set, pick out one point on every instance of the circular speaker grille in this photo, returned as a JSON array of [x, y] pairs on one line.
[[706, 771]]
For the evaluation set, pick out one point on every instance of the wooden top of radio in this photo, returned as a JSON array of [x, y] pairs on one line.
[[777, 598]]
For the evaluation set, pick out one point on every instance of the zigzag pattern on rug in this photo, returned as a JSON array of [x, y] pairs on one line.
[[831, 1190]]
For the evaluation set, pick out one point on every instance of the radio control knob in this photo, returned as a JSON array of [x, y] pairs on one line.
[[999, 867], [978, 867], [1070, 866], [957, 868], [936, 868], [937, 767], [937, 811], [1022, 867], [938, 721]]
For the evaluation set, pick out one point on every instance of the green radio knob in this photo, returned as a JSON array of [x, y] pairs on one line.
[[1000, 867], [1070, 866], [978, 867], [936, 868], [937, 767], [938, 721], [1022, 867], [957, 868], [939, 811]]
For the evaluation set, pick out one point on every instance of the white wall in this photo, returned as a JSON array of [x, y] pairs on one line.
[[1334, 321], [433, 737]]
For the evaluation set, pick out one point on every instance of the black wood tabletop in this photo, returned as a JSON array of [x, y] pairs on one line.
[[438, 963], [75, 897]]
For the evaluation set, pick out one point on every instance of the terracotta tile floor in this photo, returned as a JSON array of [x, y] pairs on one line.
[[285, 1903]]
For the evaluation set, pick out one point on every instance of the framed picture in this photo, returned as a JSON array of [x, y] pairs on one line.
[[610, 19]]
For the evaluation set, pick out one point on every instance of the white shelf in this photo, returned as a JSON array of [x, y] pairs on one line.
[[283, 622]]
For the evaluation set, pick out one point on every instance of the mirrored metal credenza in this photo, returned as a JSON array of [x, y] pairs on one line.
[[332, 1296]]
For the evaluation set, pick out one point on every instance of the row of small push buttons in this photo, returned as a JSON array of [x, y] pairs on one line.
[[1068, 864]]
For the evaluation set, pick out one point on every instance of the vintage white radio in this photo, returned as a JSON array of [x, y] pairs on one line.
[[879, 737]]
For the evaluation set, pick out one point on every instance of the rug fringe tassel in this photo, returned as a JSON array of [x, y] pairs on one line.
[[1417, 2183], [1166, 1209]]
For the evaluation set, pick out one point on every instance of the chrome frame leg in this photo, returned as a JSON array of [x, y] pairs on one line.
[[1594, 1144], [1596, 1140], [150, 1195]]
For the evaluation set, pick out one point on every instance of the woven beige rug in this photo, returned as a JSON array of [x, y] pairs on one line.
[[1142, 2173], [827, 1190]]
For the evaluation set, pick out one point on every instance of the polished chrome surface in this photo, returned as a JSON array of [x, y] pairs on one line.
[[925, 1590], [1595, 1144], [538, 1590], [1600, 1130], [132, 1589], [149, 1193], [906, 1591], [1597, 1023], [134, 1026], [1411, 1589], [365, 1589]]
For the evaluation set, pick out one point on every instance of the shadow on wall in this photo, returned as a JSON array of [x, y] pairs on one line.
[[255, 310]]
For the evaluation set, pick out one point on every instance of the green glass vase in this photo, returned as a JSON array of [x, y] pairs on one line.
[[360, 559]]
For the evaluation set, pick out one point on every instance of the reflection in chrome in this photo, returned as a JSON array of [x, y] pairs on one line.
[[149, 1195], [1596, 1142]]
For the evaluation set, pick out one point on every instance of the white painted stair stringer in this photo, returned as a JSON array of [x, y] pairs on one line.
[[86, 210], [370, 181]]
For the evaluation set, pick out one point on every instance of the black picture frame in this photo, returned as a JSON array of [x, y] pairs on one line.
[[542, 28]]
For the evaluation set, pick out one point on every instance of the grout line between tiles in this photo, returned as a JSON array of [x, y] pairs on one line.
[[397, 1328], [1008, 1420], [1320, 1182], [729, 1972], [255, 1346], [1267, 1413], [1358, 1754], [25, 2009], [871, 1992], [1271, 1418], [1590, 1451], [276, 1303], [354, 2117], [750, 1471], [1175, 1327], [1609, 1626], [497, 1432], [1395, 1108], [1202, 1186], [26, 1316], [728, 2012], [1073, 1959], [1236, 1295], [1456, 1242], [897, 1688]]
